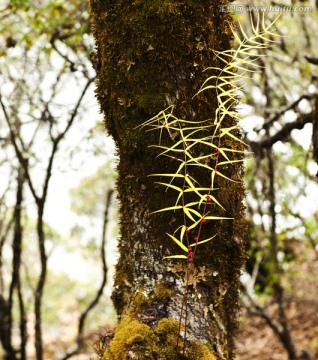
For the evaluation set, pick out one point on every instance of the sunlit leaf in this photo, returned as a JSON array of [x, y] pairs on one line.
[[179, 243], [168, 209], [229, 162], [211, 217], [203, 241], [170, 186], [176, 257], [188, 213]]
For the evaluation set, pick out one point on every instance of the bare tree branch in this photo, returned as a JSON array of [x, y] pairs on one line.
[[311, 60], [289, 107], [285, 334], [281, 135], [40, 202], [99, 293], [40, 226], [19, 154]]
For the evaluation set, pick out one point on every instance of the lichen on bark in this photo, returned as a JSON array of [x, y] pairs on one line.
[[151, 54]]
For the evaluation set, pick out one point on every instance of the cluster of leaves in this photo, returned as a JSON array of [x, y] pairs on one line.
[[41, 23], [205, 137]]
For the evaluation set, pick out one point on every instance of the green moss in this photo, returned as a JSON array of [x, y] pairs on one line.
[[140, 304], [133, 338], [167, 326], [162, 292], [201, 351], [130, 332]]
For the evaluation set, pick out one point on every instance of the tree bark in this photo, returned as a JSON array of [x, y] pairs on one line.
[[315, 133], [284, 333], [6, 318], [150, 55]]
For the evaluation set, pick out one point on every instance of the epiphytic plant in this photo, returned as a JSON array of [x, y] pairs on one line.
[[198, 144]]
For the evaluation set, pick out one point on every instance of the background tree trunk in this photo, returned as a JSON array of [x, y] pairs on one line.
[[151, 54]]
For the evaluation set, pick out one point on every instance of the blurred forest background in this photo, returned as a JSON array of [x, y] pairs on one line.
[[58, 206]]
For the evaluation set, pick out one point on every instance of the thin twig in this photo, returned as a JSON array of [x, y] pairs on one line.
[[99, 293]]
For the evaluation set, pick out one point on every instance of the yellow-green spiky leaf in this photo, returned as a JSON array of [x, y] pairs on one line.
[[168, 209], [203, 241], [179, 243], [176, 257]]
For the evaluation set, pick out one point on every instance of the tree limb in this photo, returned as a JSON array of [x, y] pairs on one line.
[[311, 60], [290, 107], [281, 135], [99, 293], [19, 154]]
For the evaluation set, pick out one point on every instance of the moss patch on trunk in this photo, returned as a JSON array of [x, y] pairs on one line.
[[135, 340]]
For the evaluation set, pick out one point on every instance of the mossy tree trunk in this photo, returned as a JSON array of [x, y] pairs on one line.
[[151, 54]]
